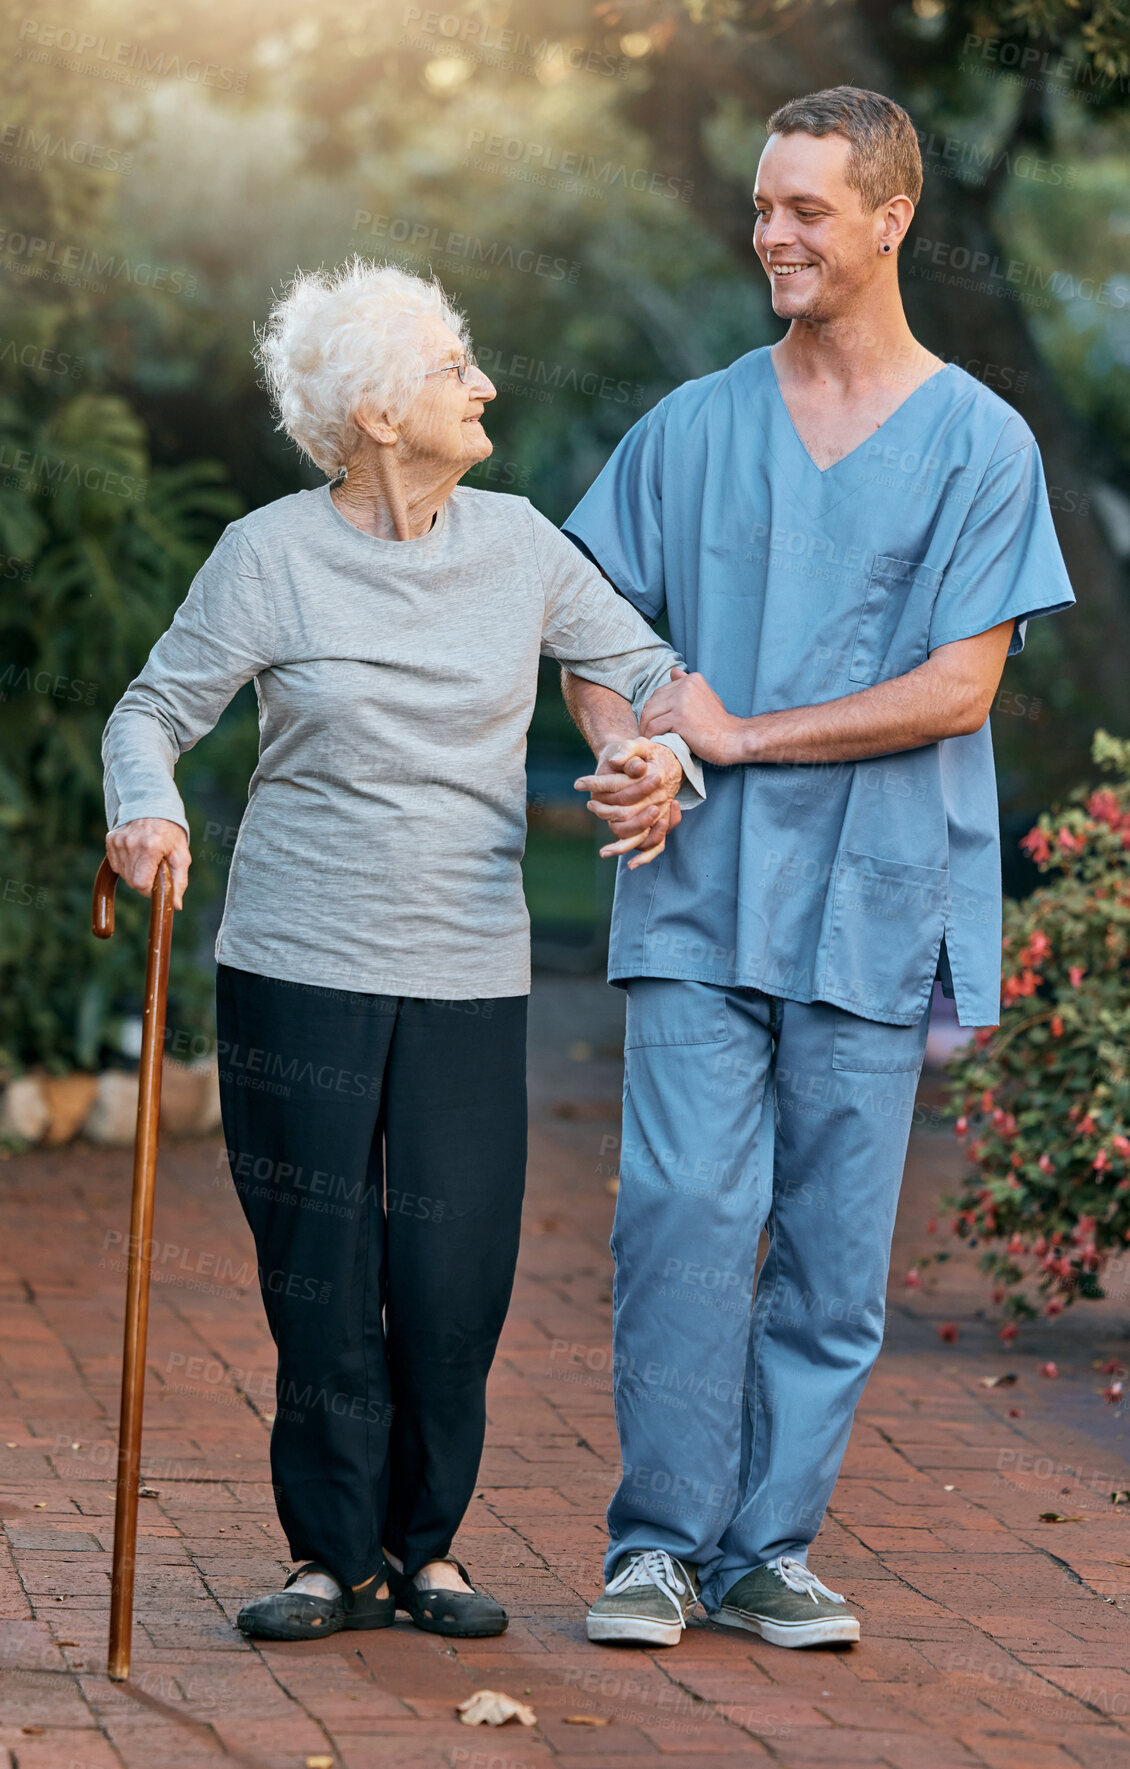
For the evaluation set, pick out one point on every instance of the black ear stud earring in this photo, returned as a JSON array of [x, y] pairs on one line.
[[886, 248]]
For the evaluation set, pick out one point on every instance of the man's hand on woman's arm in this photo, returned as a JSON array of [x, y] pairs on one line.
[[136, 850], [947, 696], [633, 789]]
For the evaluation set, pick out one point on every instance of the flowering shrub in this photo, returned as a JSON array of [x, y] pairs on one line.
[[1044, 1099]]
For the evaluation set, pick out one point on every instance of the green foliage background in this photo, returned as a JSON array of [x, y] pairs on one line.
[[1045, 1097]]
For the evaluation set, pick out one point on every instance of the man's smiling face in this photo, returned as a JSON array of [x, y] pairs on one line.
[[819, 246]]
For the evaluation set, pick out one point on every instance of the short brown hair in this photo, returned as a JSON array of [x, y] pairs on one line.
[[885, 160]]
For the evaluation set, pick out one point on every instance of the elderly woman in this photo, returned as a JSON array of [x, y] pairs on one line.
[[373, 954]]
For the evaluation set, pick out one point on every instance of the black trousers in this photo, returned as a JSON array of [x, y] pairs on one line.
[[378, 1146]]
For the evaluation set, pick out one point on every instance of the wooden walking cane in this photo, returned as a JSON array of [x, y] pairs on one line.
[[140, 1241]]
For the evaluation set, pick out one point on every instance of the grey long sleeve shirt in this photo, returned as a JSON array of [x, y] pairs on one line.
[[385, 824]]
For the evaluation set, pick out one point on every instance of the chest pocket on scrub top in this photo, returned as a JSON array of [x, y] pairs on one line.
[[894, 622]]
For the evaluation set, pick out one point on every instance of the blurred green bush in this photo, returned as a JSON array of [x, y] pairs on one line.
[[97, 549], [1044, 1099]]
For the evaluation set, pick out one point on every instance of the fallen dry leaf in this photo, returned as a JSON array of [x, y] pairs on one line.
[[1121, 1497], [1058, 1517], [585, 1720], [319, 1763], [34, 1731], [489, 1707], [149, 1492], [1004, 1381]]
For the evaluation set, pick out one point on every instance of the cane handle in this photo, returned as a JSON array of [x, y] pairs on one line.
[[105, 885]]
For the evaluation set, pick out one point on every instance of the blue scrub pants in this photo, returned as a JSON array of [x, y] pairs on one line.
[[743, 1111]]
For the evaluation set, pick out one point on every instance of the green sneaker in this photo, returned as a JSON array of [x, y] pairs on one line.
[[788, 1606], [647, 1599]]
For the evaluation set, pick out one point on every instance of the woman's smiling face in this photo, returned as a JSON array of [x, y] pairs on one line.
[[443, 424]]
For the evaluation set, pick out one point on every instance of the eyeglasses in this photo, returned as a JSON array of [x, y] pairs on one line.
[[462, 369]]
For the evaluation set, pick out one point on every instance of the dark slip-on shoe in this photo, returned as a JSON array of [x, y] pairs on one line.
[[464, 1615], [299, 1615]]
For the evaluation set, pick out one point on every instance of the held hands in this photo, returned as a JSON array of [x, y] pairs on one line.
[[633, 791], [136, 850], [690, 706]]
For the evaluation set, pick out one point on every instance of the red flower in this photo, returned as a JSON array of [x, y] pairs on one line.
[[1105, 807], [1071, 844], [961, 1126], [1057, 1026], [1113, 1394], [1085, 1126], [983, 1036], [1120, 1145], [1008, 1332], [1038, 948], [1075, 975], [1049, 1370], [1035, 844], [1025, 984], [948, 1332], [912, 1280], [1101, 1161], [1046, 1164], [1054, 1307], [932, 1226]]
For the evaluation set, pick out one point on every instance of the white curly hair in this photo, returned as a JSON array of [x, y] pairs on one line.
[[337, 337]]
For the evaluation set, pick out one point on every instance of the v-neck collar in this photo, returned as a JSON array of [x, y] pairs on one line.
[[843, 461]]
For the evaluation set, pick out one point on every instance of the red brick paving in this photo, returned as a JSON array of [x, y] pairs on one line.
[[991, 1640]]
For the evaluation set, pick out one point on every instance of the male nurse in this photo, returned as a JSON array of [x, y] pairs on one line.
[[847, 536]]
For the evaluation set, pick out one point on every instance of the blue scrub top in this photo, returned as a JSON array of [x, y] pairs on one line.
[[787, 586]]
